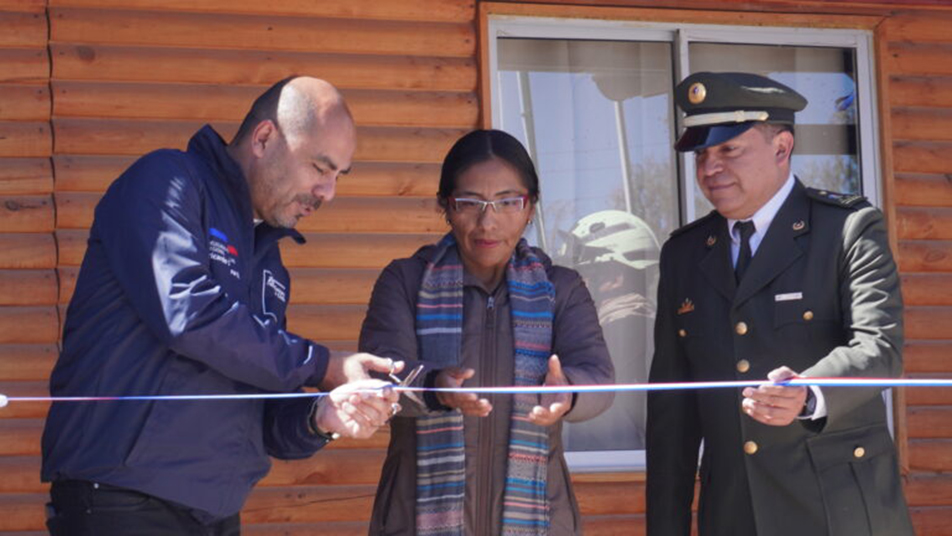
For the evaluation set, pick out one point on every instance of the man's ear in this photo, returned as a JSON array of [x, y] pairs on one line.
[[783, 145], [263, 135]]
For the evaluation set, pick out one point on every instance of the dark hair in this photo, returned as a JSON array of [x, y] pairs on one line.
[[480, 146], [265, 108]]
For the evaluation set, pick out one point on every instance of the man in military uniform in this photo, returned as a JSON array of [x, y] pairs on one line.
[[778, 281]]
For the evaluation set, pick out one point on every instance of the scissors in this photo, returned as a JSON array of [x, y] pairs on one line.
[[406, 381]]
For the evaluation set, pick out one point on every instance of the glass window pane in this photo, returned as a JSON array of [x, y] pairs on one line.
[[598, 119], [827, 144]]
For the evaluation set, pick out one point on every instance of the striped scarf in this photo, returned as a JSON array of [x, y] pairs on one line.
[[441, 464]]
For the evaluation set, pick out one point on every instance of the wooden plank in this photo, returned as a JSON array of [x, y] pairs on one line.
[[29, 102], [929, 422], [421, 10], [28, 287], [72, 245], [25, 6], [20, 437], [74, 210], [930, 454], [335, 528], [184, 65], [929, 124], [24, 65], [95, 173], [25, 138], [919, 223], [309, 504], [929, 396], [927, 289], [27, 361], [924, 190], [926, 322], [925, 91], [34, 324], [928, 489], [22, 29], [926, 356], [320, 322], [918, 59], [262, 32], [67, 282], [28, 250], [353, 250], [610, 498], [25, 176], [925, 256], [211, 102], [23, 511], [328, 467], [920, 26], [26, 213], [21, 474], [625, 525], [332, 286], [25, 410], [931, 520]]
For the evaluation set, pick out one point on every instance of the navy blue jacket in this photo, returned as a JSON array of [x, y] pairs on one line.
[[180, 294]]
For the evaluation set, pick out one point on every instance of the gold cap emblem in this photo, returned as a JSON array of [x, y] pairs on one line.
[[696, 93]]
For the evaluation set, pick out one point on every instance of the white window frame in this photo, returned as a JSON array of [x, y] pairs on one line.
[[680, 35]]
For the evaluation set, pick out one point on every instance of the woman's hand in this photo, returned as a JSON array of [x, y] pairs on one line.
[[468, 403], [554, 405]]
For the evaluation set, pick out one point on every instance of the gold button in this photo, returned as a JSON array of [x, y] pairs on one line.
[[859, 452], [808, 315], [682, 333], [743, 365], [741, 328], [750, 447]]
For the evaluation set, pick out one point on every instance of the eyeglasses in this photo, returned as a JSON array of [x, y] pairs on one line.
[[507, 205]]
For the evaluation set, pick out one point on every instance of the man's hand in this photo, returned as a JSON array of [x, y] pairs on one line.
[[357, 409], [553, 405], [345, 367], [468, 403], [775, 405]]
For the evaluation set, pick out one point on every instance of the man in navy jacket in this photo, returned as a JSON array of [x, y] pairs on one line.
[[182, 292]]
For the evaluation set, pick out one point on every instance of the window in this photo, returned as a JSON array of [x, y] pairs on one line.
[[593, 103]]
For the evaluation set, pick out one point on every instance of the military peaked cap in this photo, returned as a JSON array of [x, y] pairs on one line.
[[721, 106]]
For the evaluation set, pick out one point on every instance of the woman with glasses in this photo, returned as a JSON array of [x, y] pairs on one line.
[[482, 309]]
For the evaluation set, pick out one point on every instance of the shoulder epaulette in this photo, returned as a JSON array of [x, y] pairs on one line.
[[693, 224], [837, 199]]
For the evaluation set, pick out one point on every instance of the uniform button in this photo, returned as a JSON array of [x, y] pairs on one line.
[[741, 328], [750, 447], [859, 452], [682, 333], [808, 315], [743, 365]]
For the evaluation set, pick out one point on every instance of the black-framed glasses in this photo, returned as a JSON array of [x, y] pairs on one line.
[[506, 205]]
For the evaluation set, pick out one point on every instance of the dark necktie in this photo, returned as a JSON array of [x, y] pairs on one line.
[[746, 230]]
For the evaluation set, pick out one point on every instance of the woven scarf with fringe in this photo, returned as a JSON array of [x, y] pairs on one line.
[[441, 464]]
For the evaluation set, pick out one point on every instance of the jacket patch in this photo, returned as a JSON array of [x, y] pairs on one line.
[[273, 291], [222, 252], [686, 307], [789, 296]]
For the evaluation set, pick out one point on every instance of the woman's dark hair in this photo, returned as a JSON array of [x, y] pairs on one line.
[[480, 146]]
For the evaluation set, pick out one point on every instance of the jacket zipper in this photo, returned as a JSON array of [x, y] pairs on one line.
[[487, 363]]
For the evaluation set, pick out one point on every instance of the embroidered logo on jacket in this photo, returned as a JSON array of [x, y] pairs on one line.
[[220, 251], [686, 307]]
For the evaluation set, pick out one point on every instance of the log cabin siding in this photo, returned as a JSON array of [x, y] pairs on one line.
[[86, 86]]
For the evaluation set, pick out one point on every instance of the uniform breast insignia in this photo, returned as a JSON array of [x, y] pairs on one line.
[[711, 240], [686, 307], [836, 199], [798, 226]]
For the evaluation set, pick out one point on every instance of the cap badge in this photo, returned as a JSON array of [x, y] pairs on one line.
[[711, 240], [798, 226], [697, 93]]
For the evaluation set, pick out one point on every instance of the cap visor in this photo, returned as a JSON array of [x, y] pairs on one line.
[[695, 138]]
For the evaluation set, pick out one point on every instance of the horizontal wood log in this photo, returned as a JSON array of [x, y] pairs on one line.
[[924, 190], [25, 409], [928, 489], [926, 356], [336, 528], [920, 27], [22, 29], [26, 214], [24, 65], [308, 504], [922, 157], [25, 176], [71, 244], [184, 65], [925, 256], [28, 287], [928, 124], [610, 498], [931, 520], [929, 396], [320, 322], [926, 91], [353, 250], [27, 250], [622, 525], [929, 422], [928, 322], [422, 10], [29, 102], [329, 467], [23, 512], [262, 32], [95, 173], [25, 138], [927, 289], [67, 282], [28, 324], [21, 474], [930, 454], [20, 437], [924, 223], [216, 102], [23, 6], [332, 286], [918, 59], [27, 361]]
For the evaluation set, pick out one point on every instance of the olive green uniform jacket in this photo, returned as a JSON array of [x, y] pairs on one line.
[[820, 296]]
